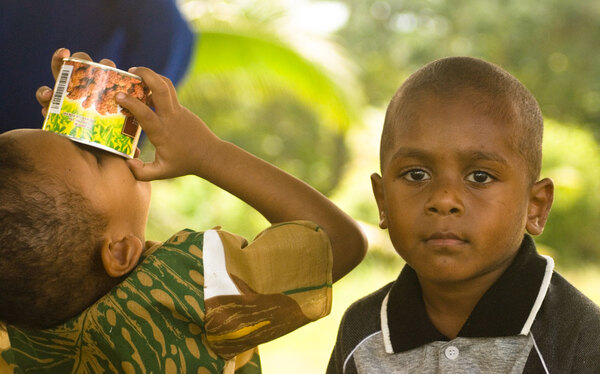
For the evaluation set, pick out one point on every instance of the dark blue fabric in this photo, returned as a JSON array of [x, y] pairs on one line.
[[148, 33]]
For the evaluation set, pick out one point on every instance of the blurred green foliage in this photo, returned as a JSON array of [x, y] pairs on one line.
[[549, 45], [572, 160], [279, 128], [319, 116], [262, 95]]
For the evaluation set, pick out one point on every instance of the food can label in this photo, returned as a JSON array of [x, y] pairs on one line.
[[83, 106]]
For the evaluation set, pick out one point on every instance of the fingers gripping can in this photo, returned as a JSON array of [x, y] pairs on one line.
[[83, 106]]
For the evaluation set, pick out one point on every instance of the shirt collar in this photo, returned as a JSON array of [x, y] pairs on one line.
[[507, 308]]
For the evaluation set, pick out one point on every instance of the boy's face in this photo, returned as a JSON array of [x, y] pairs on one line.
[[101, 177], [454, 193]]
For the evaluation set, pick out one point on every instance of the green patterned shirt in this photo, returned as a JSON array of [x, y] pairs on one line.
[[200, 302]]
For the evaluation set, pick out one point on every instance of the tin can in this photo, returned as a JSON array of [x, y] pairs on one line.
[[83, 106]]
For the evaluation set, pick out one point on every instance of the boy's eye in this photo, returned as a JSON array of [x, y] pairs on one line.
[[480, 177], [416, 175]]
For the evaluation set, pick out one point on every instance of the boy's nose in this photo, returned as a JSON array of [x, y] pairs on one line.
[[445, 200]]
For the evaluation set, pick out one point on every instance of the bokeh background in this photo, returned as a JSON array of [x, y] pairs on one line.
[[304, 85]]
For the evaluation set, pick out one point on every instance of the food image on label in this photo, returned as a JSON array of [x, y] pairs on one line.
[[83, 106]]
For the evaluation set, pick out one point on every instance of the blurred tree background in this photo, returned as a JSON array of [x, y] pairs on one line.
[[291, 81], [304, 85]]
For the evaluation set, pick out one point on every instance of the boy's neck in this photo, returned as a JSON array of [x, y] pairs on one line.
[[450, 305]]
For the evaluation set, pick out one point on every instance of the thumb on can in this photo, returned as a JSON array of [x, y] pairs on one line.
[[143, 171], [144, 115]]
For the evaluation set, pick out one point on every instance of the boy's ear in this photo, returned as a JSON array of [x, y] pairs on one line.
[[377, 184], [540, 201], [121, 256]]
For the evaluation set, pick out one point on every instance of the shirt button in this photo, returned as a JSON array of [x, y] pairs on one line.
[[451, 352]]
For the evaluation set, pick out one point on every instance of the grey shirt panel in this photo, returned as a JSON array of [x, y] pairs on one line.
[[460, 355]]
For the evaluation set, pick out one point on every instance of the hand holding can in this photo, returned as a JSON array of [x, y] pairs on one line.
[[83, 106]]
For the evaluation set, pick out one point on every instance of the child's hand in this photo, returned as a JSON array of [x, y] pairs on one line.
[[184, 144], [44, 93]]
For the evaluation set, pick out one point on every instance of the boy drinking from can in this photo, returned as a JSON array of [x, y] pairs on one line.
[[82, 291]]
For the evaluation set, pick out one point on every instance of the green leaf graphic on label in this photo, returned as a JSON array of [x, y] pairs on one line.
[[86, 124]]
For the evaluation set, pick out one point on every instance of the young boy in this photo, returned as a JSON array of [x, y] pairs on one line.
[[459, 188], [80, 292]]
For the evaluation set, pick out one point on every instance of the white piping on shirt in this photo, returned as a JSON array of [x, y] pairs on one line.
[[541, 295], [385, 331], [387, 342], [539, 354], [355, 348]]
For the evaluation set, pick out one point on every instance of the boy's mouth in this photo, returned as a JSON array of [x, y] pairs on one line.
[[445, 239]]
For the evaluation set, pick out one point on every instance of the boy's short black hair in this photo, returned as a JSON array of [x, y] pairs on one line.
[[50, 265], [487, 86]]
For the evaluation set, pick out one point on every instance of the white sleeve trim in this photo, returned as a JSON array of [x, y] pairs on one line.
[[216, 279]]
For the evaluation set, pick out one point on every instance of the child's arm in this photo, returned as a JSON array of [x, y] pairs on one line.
[[185, 145]]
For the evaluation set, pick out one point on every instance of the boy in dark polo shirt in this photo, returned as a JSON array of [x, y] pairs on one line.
[[459, 192]]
